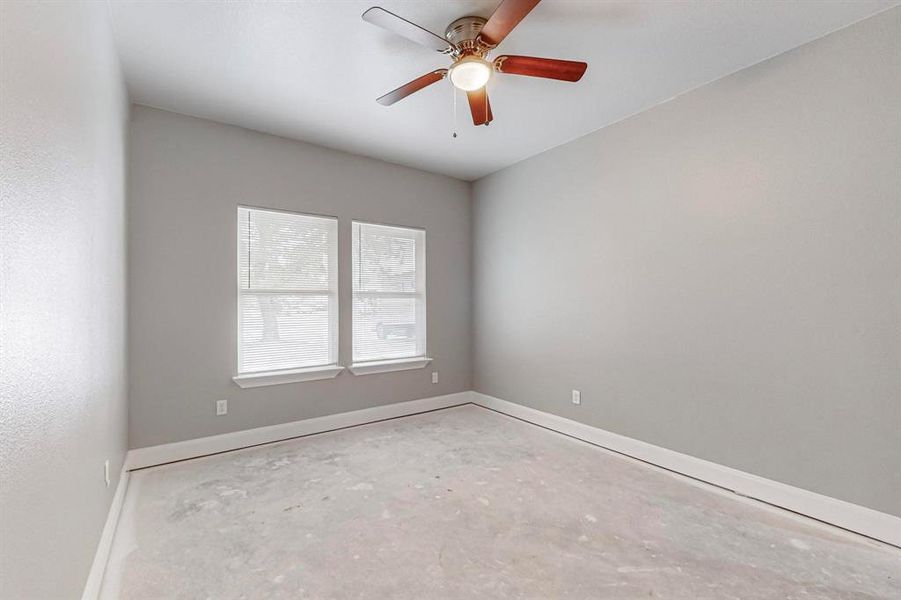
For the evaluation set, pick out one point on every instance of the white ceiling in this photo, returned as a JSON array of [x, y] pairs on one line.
[[312, 70]]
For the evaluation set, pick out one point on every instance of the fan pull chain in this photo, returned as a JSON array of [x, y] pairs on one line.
[[454, 92]]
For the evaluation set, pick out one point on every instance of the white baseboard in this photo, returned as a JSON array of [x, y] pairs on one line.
[[166, 453], [101, 556], [859, 519]]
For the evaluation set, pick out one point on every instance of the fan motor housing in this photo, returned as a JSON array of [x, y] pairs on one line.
[[464, 33]]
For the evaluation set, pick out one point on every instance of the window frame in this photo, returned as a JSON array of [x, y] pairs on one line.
[[384, 364], [326, 370]]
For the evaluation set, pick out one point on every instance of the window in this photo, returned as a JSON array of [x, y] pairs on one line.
[[287, 297], [389, 302]]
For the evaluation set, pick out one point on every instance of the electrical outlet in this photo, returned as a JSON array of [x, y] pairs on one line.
[[106, 472], [434, 376], [577, 397], [221, 407]]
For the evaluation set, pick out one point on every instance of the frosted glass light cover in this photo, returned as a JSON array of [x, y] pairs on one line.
[[470, 73]]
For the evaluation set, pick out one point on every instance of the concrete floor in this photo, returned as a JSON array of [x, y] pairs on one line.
[[467, 503]]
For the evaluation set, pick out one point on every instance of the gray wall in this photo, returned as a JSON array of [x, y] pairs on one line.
[[62, 292], [187, 176], [720, 275]]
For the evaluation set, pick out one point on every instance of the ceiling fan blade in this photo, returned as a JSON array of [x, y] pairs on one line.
[[480, 106], [412, 87], [506, 16], [388, 20], [549, 68]]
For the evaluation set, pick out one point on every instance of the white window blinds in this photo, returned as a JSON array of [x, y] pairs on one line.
[[287, 290], [388, 292]]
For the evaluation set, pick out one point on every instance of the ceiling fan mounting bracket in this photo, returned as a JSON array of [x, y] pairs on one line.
[[464, 35]]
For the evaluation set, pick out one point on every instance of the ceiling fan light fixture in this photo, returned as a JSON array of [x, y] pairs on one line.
[[468, 42], [470, 73]]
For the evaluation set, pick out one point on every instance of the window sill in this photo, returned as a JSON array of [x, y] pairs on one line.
[[385, 366], [251, 380]]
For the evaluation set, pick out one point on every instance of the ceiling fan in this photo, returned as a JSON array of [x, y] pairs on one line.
[[468, 42]]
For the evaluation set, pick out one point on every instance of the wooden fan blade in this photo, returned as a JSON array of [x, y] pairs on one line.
[[388, 20], [480, 106], [412, 87], [506, 16], [549, 68]]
